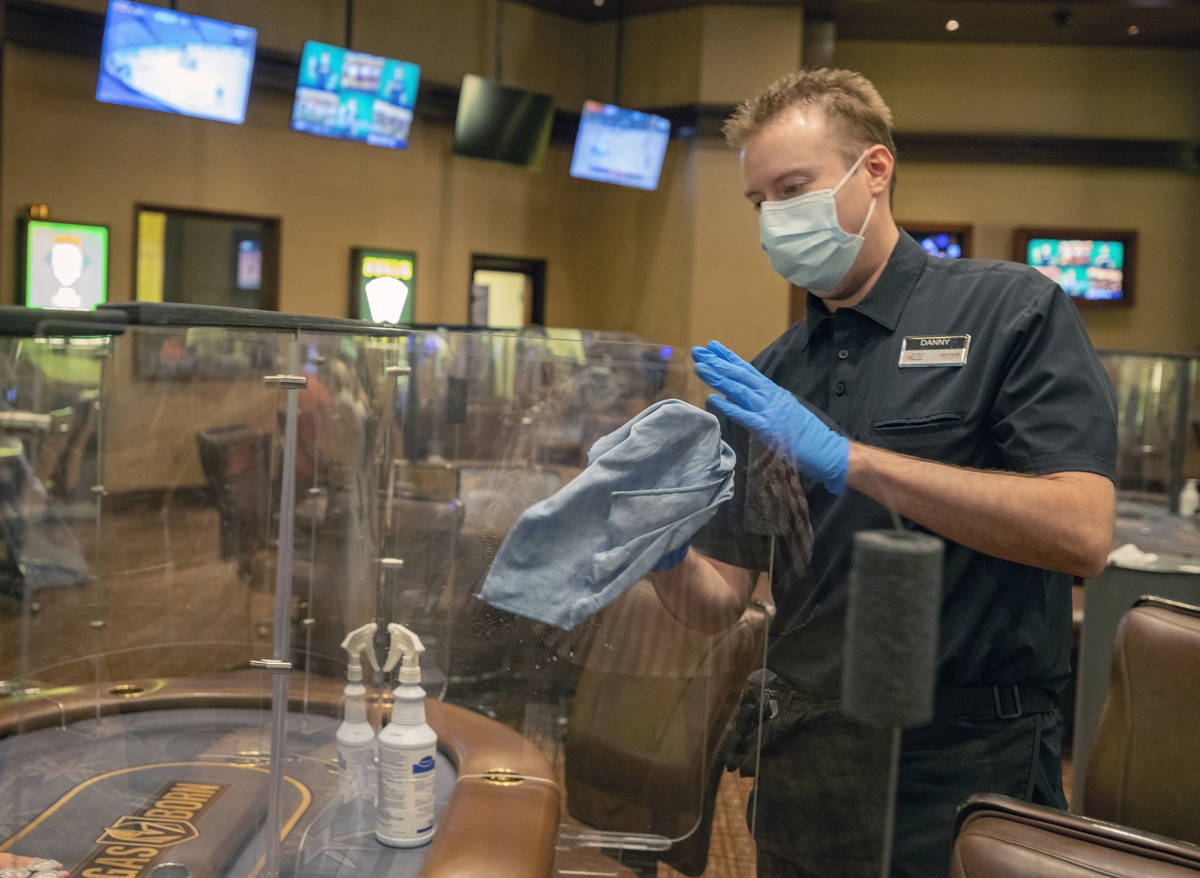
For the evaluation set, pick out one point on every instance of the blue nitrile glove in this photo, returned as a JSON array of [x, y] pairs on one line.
[[671, 559], [775, 416]]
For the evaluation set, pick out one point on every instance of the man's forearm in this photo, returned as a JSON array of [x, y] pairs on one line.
[[702, 593], [1059, 522]]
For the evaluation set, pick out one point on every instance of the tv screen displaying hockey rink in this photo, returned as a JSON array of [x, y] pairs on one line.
[[160, 59], [615, 145]]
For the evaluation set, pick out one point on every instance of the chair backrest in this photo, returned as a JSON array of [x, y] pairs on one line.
[[1144, 771], [1001, 837], [646, 736], [236, 465]]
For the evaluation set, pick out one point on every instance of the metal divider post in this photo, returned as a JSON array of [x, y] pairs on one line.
[[280, 665]]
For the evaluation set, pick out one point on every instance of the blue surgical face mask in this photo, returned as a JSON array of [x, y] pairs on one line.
[[804, 241]]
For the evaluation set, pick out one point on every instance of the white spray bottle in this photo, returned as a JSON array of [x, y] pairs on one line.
[[355, 737], [407, 748]]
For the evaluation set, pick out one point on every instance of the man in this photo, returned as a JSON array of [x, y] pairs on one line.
[[962, 394]]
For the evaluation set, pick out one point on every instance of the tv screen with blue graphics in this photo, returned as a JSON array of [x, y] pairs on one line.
[[1087, 269], [355, 96], [615, 145], [160, 59]]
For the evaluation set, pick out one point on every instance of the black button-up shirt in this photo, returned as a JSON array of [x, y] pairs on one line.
[[1031, 398]]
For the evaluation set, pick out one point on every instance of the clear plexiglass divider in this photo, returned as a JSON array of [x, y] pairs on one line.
[[1158, 449], [207, 529], [136, 599]]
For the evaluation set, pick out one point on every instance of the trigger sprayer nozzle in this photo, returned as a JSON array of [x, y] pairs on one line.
[[355, 643], [404, 643]]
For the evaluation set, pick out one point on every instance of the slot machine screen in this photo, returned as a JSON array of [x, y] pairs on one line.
[[63, 265], [382, 284]]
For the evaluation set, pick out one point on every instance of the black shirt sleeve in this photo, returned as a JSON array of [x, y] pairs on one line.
[[1055, 409]]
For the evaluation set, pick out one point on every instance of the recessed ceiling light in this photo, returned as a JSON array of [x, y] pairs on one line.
[[598, 2], [1133, 30], [952, 25]]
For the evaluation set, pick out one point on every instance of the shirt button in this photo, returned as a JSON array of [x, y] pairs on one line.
[[843, 353], [839, 388]]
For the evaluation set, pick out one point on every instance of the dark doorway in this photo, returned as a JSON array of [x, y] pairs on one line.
[[204, 258], [506, 292]]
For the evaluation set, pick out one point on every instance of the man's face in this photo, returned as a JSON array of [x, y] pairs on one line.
[[797, 153]]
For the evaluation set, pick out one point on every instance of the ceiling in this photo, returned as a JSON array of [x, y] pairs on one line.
[[1096, 22]]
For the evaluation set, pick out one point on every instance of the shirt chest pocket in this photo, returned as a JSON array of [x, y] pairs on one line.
[[941, 435]]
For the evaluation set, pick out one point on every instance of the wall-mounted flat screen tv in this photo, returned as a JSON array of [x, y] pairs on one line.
[[62, 265], [174, 62], [355, 96], [502, 123], [947, 240], [616, 145], [1093, 266]]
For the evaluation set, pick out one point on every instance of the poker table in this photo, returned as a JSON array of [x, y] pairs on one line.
[[168, 778]]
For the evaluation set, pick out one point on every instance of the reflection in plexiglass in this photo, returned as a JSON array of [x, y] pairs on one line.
[[1158, 450], [206, 530]]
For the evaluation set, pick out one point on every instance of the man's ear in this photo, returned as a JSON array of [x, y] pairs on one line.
[[880, 166]]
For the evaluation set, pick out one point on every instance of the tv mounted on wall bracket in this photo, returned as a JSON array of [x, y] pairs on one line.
[[502, 123], [160, 59], [355, 96], [1093, 266]]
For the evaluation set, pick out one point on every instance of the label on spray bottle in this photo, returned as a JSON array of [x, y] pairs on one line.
[[406, 806]]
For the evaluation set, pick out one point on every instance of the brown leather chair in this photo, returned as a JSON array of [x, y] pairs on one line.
[[236, 464], [1143, 775], [1144, 770], [1001, 837], [646, 735]]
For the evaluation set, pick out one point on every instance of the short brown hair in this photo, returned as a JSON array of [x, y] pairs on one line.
[[844, 95]]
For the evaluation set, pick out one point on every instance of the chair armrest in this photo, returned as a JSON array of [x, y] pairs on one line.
[[1001, 837]]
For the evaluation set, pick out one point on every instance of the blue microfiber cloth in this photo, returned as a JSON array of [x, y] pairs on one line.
[[648, 487]]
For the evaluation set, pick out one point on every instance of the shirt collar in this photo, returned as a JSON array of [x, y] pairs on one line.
[[886, 300]]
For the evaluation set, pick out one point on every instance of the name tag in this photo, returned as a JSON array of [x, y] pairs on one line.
[[934, 350]]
